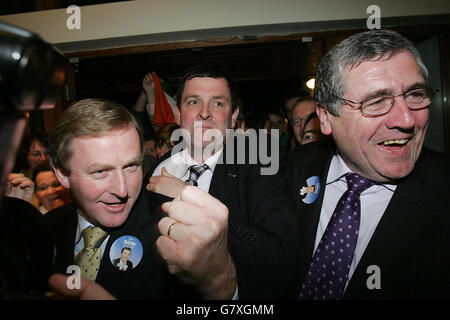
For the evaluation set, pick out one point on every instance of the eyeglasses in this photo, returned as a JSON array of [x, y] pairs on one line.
[[380, 105]]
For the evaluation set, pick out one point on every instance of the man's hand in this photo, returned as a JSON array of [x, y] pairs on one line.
[[166, 184], [89, 290], [19, 186], [196, 250]]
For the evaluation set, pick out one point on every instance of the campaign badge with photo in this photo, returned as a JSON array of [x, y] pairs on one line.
[[126, 253], [310, 192]]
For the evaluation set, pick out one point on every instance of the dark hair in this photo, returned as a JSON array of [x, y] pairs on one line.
[[311, 116], [125, 248], [21, 159], [42, 167], [297, 93], [164, 134], [201, 71], [42, 137], [149, 135]]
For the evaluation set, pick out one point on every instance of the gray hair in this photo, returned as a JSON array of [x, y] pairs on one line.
[[360, 47]]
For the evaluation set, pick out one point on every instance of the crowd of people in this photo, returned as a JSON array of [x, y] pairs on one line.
[[34, 174], [355, 209]]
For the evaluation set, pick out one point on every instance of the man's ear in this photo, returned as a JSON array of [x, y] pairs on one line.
[[324, 117], [234, 117], [177, 115], [62, 178]]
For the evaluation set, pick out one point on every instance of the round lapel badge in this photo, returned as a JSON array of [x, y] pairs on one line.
[[310, 192], [126, 253]]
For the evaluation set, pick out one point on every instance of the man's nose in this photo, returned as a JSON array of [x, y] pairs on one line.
[[119, 185], [400, 116], [52, 190], [205, 112]]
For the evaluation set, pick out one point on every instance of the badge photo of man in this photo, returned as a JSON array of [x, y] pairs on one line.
[[123, 263]]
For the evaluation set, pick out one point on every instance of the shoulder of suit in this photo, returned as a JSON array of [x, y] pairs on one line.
[[312, 151], [433, 167], [61, 214]]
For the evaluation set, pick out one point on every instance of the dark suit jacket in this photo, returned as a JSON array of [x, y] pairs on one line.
[[26, 251], [411, 242], [262, 239], [147, 280], [262, 225]]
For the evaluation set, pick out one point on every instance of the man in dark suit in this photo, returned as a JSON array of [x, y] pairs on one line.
[[254, 246], [96, 150], [390, 240]]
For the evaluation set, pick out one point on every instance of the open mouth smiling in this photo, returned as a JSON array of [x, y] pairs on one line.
[[395, 144]]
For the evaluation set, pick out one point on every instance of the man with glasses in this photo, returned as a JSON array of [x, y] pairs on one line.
[[301, 110], [373, 203]]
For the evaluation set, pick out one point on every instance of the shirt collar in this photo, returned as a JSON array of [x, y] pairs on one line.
[[211, 161], [338, 169], [82, 224]]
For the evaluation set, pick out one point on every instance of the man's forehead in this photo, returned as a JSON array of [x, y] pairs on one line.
[[44, 176], [304, 106], [390, 72], [205, 84], [107, 133], [290, 102], [105, 140]]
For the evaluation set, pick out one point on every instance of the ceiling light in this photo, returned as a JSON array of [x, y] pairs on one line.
[[310, 83]]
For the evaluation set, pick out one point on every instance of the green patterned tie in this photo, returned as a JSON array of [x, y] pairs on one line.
[[89, 258]]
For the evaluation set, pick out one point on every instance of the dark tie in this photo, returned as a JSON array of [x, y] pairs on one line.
[[328, 271], [195, 172]]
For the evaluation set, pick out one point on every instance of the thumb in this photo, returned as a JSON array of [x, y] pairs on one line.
[[164, 173]]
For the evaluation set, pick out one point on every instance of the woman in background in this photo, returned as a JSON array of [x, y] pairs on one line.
[[163, 139], [34, 150]]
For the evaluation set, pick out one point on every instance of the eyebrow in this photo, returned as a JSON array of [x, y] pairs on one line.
[[190, 96], [98, 166], [220, 97], [312, 131], [197, 96], [417, 85], [103, 166], [384, 92]]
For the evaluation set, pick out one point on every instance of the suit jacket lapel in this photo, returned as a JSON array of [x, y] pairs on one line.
[[224, 180], [66, 242], [310, 213], [402, 221]]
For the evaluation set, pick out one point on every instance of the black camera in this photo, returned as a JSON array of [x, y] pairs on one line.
[[32, 72]]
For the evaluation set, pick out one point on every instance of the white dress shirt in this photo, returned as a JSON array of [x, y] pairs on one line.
[[374, 202], [178, 166]]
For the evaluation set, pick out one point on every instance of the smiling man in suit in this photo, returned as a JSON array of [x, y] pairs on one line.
[[249, 249], [96, 151], [373, 203]]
